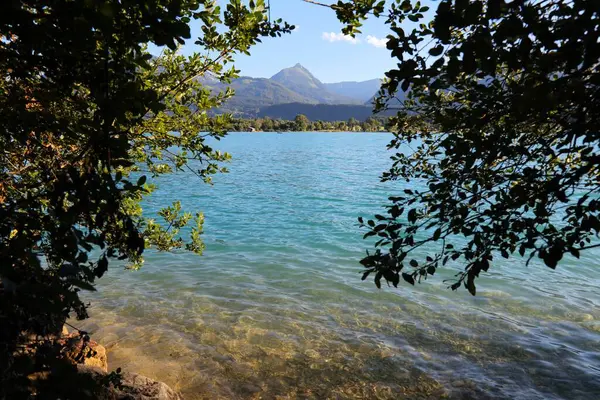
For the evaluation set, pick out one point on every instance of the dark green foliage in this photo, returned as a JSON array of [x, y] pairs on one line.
[[503, 122], [323, 112], [303, 124], [84, 107]]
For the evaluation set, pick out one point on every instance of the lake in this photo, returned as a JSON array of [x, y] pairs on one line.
[[275, 308]]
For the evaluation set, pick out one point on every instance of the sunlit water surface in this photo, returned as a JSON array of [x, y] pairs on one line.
[[275, 309]]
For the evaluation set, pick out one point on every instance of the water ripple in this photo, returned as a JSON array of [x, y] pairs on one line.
[[276, 309]]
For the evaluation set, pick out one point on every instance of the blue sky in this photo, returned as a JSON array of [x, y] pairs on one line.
[[317, 44]]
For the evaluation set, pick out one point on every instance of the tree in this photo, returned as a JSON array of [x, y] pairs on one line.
[[328, 125], [301, 123], [353, 124], [267, 124], [258, 124], [372, 124], [88, 116], [503, 114]]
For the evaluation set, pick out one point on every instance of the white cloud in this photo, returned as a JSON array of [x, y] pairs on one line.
[[374, 41], [339, 37]]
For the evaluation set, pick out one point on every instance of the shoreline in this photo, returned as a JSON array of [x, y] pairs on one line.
[[91, 359], [328, 131]]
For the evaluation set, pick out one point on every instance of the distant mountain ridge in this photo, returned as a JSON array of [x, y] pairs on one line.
[[294, 87], [251, 94], [358, 90]]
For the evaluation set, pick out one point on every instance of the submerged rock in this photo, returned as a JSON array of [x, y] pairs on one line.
[[80, 349], [99, 359], [251, 389], [132, 386], [140, 387], [92, 360]]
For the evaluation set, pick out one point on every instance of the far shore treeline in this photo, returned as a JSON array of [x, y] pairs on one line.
[[302, 124]]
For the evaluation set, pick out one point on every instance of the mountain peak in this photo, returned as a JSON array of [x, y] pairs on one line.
[[297, 77], [300, 80]]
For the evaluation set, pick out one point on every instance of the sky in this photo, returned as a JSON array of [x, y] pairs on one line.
[[317, 44]]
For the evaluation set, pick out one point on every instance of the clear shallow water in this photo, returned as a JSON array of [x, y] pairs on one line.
[[275, 309]]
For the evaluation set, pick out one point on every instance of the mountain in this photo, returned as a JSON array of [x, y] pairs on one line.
[[294, 91], [300, 80], [254, 93], [251, 94], [399, 97], [362, 91]]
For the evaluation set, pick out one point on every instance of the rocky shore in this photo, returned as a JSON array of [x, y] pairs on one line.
[[92, 360]]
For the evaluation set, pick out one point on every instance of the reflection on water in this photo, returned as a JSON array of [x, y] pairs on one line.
[[276, 308]]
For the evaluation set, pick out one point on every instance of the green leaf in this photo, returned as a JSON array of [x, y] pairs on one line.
[[412, 215], [574, 252], [437, 50], [395, 280], [102, 267], [378, 279], [470, 284], [408, 278], [366, 274]]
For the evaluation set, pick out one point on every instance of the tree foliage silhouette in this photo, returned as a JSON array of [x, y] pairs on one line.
[[88, 119], [498, 137]]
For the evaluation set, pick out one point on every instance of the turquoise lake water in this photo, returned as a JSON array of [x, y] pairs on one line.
[[275, 308]]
